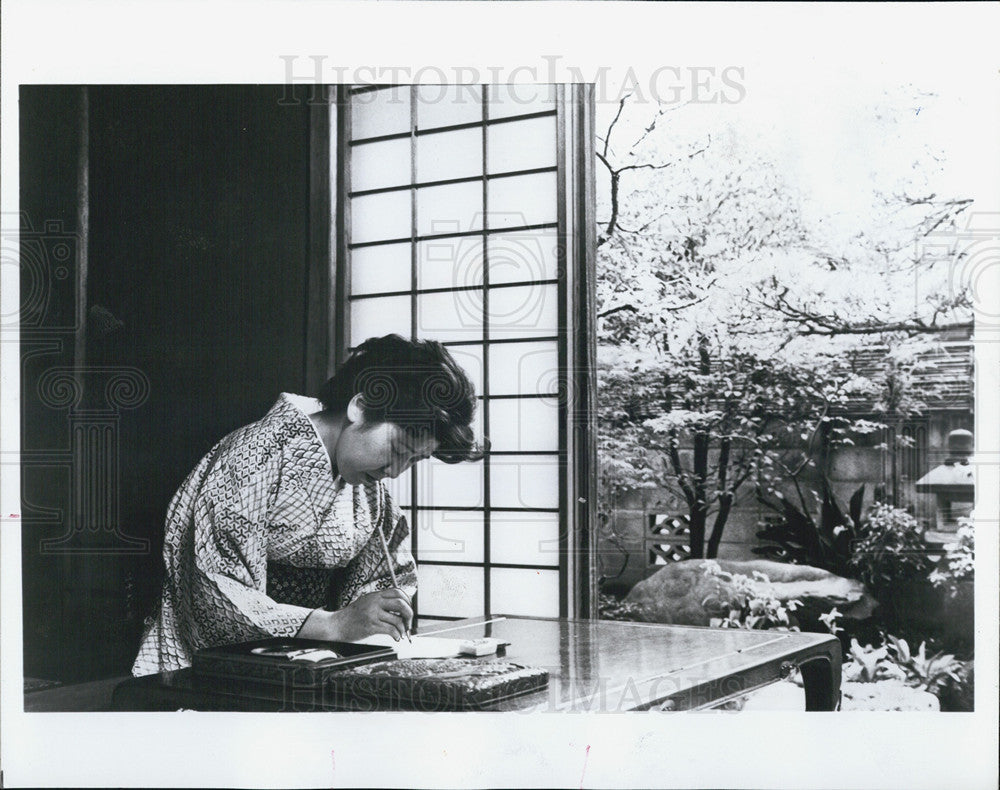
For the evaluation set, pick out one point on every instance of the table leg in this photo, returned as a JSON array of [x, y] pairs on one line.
[[821, 679]]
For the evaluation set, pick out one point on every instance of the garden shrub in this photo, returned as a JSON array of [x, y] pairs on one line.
[[958, 563], [888, 549], [755, 607]]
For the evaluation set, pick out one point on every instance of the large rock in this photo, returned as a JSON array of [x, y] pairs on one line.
[[683, 594]]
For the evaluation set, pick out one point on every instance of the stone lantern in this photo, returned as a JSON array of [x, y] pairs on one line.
[[953, 487]]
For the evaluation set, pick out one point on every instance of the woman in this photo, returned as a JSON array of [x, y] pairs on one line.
[[279, 530]]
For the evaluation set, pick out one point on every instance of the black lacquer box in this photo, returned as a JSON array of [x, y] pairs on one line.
[[281, 662]]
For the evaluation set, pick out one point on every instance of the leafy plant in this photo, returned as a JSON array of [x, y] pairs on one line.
[[894, 660], [870, 664], [830, 620], [958, 563], [929, 673], [889, 548], [880, 548], [754, 605], [960, 696], [823, 541]]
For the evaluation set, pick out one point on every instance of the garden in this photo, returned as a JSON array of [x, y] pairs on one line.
[[766, 348], [908, 657]]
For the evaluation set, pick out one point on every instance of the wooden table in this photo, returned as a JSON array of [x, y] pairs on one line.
[[594, 665]]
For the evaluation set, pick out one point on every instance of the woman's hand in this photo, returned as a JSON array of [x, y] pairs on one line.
[[383, 612]]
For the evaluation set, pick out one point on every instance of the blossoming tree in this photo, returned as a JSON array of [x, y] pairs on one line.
[[729, 316]]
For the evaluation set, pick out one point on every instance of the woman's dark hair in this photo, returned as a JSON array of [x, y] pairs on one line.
[[415, 384]]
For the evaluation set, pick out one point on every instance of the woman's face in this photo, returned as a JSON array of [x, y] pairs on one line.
[[366, 451]]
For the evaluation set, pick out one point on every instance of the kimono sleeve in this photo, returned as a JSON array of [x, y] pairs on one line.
[[368, 572], [228, 602]]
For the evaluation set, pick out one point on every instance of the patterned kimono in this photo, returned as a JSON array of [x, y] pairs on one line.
[[261, 533]]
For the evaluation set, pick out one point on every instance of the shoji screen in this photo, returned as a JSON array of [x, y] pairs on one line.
[[454, 227]]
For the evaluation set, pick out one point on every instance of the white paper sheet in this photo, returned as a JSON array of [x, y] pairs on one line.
[[422, 646]]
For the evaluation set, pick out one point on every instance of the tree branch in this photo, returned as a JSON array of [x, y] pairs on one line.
[[830, 326], [670, 308], [915, 327], [618, 309], [645, 166], [950, 209], [616, 172], [649, 129], [611, 126]]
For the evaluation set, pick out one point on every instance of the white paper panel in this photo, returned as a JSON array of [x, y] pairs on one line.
[[524, 481], [523, 256], [526, 424], [513, 99], [449, 591], [448, 105], [522, 145], [383, 164], [380, 217], [444, 155], [450, 316], [454, 208], [450, 485], [528, 368], [522, 200], [520, 311], [470, 359], [380, 112], [524, 592], [399, 490], [450, 262], [385, 267], [524, 538], [450, 536], [379, 316]]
